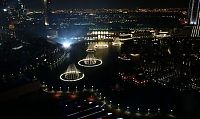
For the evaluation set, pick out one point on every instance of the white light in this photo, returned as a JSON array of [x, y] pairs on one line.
[[72, 80], [66, 44], [45, 1], [5, 10], [97, 106], [135, 55], [109, 113]]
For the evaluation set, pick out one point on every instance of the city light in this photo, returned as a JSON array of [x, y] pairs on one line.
[[100, 62], [66, 44], [5, 10]]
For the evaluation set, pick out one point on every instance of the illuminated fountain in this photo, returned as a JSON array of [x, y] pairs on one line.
[[117, 42], [72, 74], [90, 47], [101, 45], [90, 61]]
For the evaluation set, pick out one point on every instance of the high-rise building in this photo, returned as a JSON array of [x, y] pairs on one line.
[[194, 17], [20, 10], [194, 12], [47, 12], [3, 3], [51, 33]]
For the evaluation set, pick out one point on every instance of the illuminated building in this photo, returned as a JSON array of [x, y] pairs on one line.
[[195, 31], [194, 12], [125, 36], [20, 9], [194, 17], [100, 34], [47, 11], [162, 34], [4, 3], [50, 32]]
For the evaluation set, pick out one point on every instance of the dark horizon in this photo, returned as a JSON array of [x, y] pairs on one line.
[[65, 4]]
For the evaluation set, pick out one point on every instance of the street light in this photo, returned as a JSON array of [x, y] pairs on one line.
[[76, 89], [67, 89]]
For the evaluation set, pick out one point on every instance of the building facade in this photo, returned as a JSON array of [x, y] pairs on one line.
[[194, 12], [47, 12], [194, 17]]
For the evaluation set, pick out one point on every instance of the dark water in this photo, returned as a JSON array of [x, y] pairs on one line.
[[106, 79]]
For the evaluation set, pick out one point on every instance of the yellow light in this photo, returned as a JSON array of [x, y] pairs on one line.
[[135, 55]]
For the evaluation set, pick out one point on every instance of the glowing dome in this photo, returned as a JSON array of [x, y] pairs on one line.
[[90, 61], [72, 74]]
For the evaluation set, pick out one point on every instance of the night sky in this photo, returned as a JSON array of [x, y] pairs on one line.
[[109, 3]]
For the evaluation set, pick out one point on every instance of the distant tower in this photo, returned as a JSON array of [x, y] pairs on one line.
[[194, 12], [4, 3], [20, 9], [194, 17], [47, 12]]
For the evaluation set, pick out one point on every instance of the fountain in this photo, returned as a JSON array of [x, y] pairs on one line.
[[116, 42], [90, 61], [90, 47], [72, 74], [101, 45]]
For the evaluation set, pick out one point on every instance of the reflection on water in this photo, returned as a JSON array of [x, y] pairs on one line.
[[72, 74], [107, 79]]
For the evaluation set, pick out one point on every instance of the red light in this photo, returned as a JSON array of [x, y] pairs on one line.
[[91, 98]]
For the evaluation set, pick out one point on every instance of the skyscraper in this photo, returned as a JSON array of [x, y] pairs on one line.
[[194, 17], [194, 12], [3, 3], [20, 10], [47, 12]]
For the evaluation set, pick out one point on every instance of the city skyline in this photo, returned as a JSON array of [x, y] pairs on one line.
[[113, 59]]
